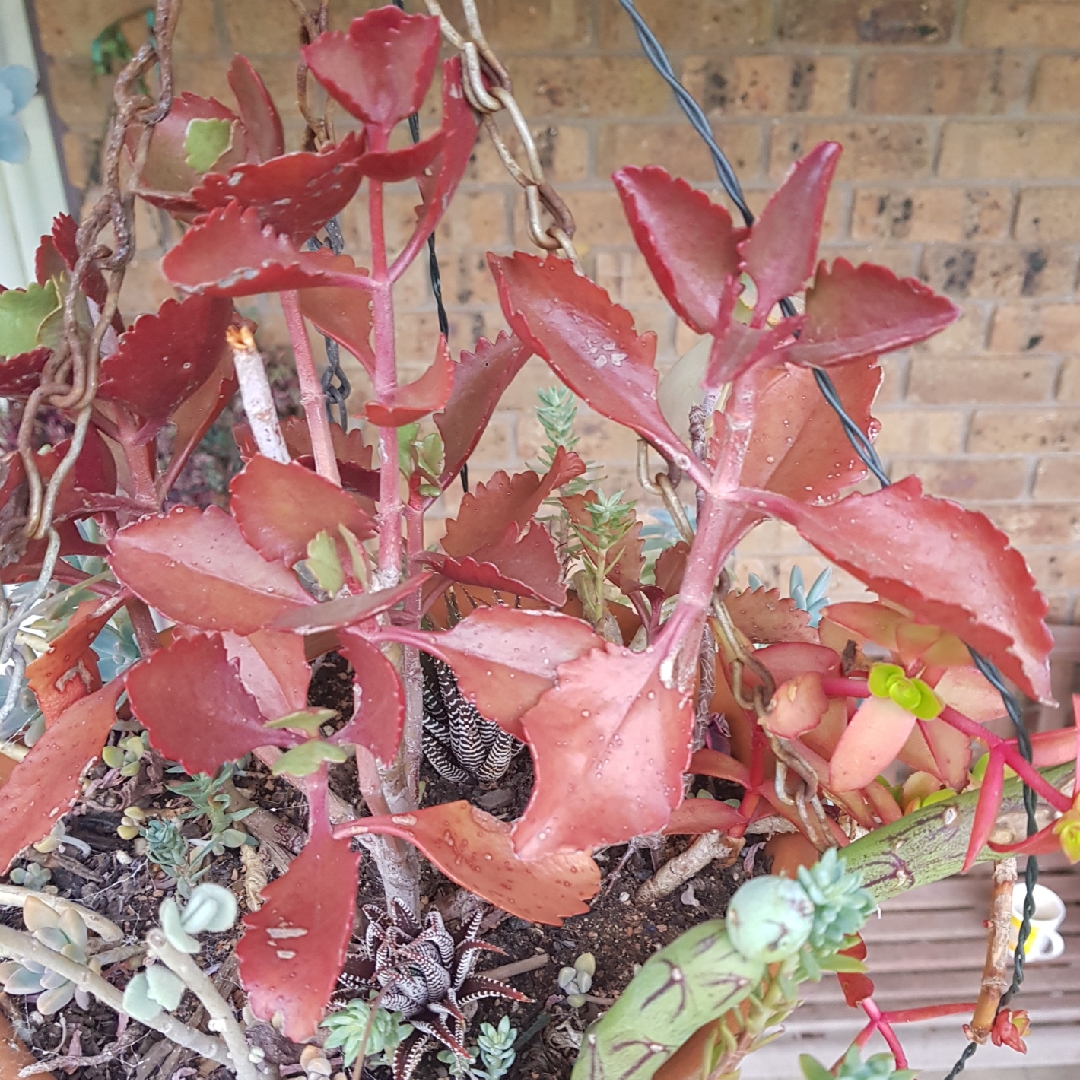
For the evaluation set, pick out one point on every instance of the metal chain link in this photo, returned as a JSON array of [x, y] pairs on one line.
[[480, 66], [868, 455]]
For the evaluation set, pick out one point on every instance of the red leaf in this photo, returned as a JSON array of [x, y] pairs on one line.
[[857, 311], [347, 610], [28, 565], [480, 378], [94, 472], [60, 252], [380, 700], [797, 706], [20, 374], [194, 418], [670, 568], [67, 670], [779, 255], [393, 166], [969, 691], [797, 446], [701, 816], [273, 669], [165, 357], [505, 658], [343, 314], [474, 849], [488, 510], [707, 762], [293, 948], [608, 727], [948, 565], [986, 809], [440, 181], [191, 700], [765, 617], [790, 659], [589, 342], [526, 565], [871, 740], [166, 178], [856, 985], [198, 569], [381, 69], [687, 240], [230, 253], [46, 782], [354, 456], [257, 112], [430, 392], [280, 508], [295, 194]]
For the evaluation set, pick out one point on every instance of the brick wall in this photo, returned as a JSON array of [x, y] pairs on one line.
[[961, 127]]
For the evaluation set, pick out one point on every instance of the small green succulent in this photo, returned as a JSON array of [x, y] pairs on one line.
[[348, 1025], [576, 981], [875, 1067], [64, 933], [494, 1053], [32, 876], [126, 756]]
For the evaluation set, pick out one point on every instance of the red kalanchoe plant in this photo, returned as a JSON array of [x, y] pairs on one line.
[[574, 649]]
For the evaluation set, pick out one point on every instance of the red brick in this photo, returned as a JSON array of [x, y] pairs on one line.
[[1013, 24], [1055, 569], [627, 278], [948, 380], [931, 214], [1018, 150], [78, 96], [901, 259], [539, 25], [965, 336], [563, 150], [1036, 328], [1025, 431], [679, 147], [769, 85], [999, 271], [968, 478], [889, 150], [1057, 85], [849, 22], [581, 86], [1058, 477], [1032, 523], [692, 25], [913, 431], [941, 84], [1069, 382], [1050, 213]]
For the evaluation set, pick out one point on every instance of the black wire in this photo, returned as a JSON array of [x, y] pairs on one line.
[[868, 455], [335, 383]]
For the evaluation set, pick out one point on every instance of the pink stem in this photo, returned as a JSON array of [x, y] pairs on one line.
[[311, 394], [838, 687], [1031, 776], [881, 1024], [382, 307], [928, 1012]]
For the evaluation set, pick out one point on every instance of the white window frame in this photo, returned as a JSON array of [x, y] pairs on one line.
[[32, 193]]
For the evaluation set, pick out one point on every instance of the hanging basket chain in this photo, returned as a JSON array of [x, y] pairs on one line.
[[868, 455], [490, 90]]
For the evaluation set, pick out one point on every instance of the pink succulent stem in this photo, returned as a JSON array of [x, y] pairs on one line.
[[1010, 754], [382, 307], [880, 1022], [838, 687], [311, 394]]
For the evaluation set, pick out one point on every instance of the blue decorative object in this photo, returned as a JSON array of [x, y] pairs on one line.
[[17, 86]]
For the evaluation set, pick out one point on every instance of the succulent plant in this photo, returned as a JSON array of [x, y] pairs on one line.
[[126, 755], [64, 933], [875, 1067], [770, 918], [425, 973], [348, 1026], [576, 981], [841, 904], [31, 876]]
